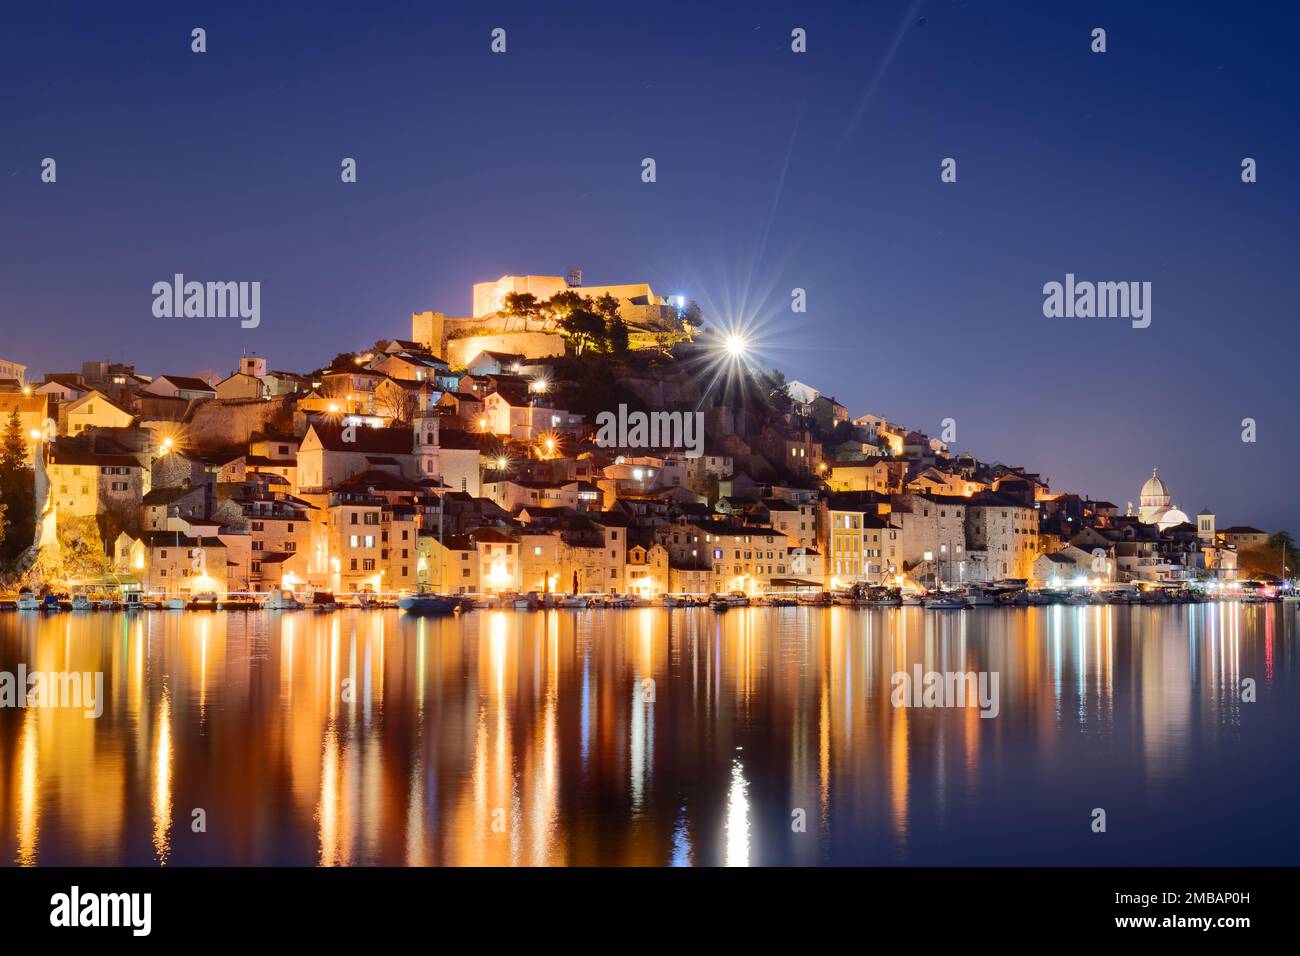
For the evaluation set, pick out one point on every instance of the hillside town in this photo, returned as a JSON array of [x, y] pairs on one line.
[[466, 460]]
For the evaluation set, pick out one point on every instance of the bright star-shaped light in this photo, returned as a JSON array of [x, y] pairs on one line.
[[736, 345]]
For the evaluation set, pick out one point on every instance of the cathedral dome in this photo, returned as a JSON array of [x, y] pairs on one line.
[[1155, 488]]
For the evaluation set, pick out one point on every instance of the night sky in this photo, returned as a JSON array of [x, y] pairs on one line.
[[775, 170]]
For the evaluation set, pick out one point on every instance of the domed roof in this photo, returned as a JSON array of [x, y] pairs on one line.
[[1155, 488], [1172, 518]]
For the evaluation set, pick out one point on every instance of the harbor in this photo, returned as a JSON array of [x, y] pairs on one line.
[[650, 736], [963, 597]]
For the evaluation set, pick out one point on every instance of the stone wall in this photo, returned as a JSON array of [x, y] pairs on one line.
[[533, 345], [225, 423]]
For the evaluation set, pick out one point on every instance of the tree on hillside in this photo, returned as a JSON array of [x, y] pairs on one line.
[[521, 305], [606, 307], [615, 332], [1281, 539], [583, 328], [17, 490], [13, 444], [341, 361], [777, 394], [400, 404], [616, 335], [692, 315], [1267, 560], [560, 306]]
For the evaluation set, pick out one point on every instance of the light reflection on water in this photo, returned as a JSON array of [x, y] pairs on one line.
[[652, 737]]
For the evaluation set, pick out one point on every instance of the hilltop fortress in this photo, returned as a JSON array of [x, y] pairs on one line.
[[648, 317]]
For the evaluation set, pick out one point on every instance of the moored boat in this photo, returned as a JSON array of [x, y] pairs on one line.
[[524, 602], [723, 602], [885, 597], [282, 599], [816, 599], [428, 604], [207, 601], [324, 601], [976, 596]]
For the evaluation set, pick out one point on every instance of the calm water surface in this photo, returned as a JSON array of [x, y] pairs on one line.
[[513, 738]]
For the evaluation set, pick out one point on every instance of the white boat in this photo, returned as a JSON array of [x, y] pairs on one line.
[[573, 600], [945, 602], [175, 604], [29, 602], [82, 603], [207, 601], [282, 599], [524, 602]]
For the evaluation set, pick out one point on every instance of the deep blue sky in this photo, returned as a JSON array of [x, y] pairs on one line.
[[775, 170]]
